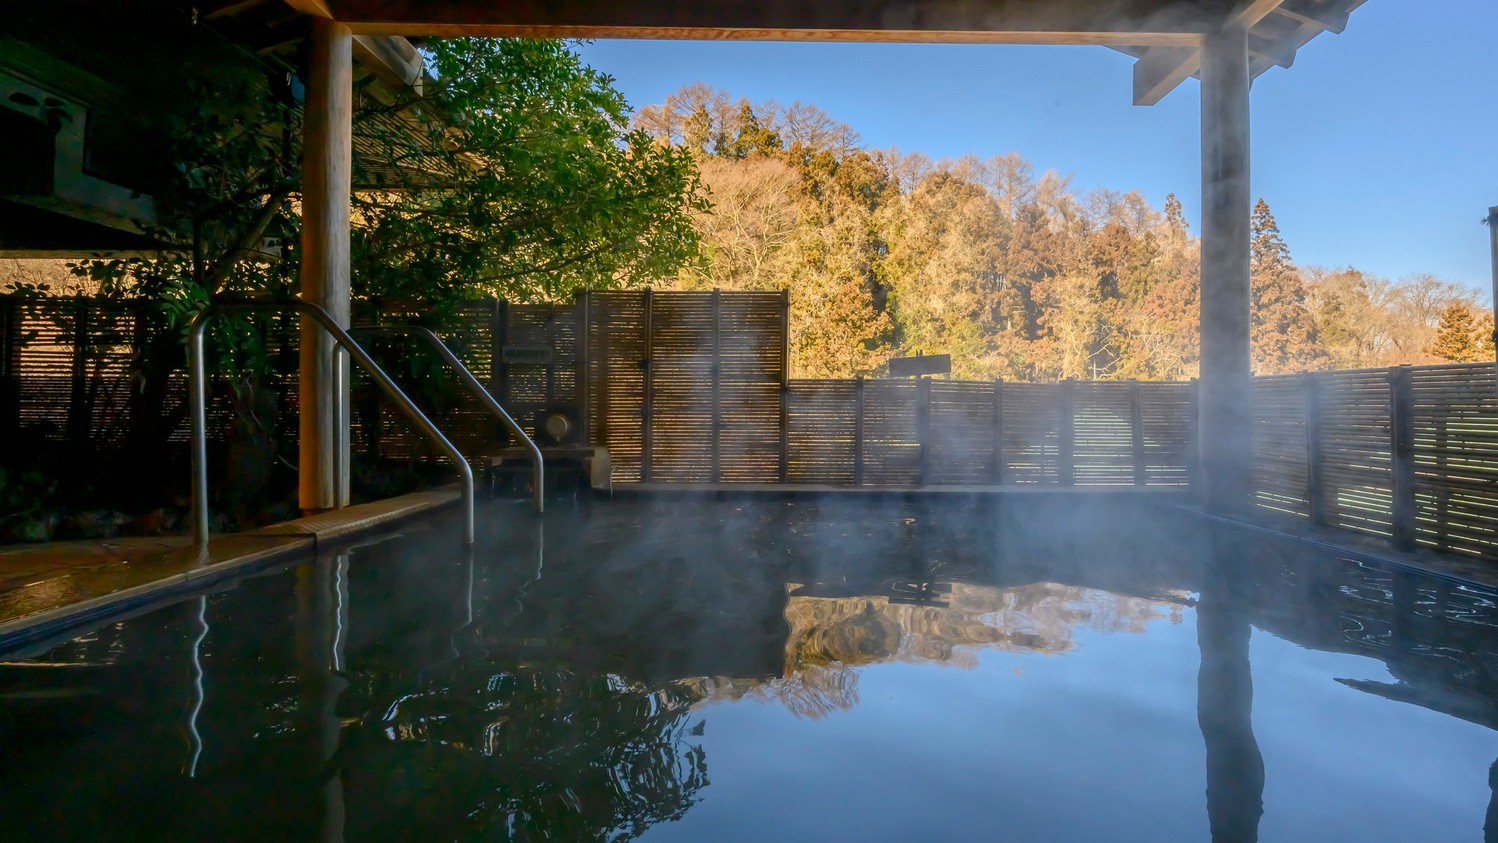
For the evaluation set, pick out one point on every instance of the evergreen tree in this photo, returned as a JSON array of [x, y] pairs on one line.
[[1459, 338], [1283, 332], [1175, 215]]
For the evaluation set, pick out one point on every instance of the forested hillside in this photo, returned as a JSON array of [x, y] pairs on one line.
[[1016, 275]]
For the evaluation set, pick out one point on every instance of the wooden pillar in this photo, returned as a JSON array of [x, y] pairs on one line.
[[1226, 400], [327, 132]]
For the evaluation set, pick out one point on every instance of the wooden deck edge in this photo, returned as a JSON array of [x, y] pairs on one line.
[[820, 489], [1460, 569]]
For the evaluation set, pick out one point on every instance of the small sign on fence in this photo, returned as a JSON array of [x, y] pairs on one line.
[[928, 364], [526, 355]]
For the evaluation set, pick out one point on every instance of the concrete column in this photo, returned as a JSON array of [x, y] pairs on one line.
[[327, 149], [1226, 388]]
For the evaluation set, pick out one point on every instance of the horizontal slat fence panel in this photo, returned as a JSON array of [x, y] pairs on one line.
[[751, 365], [1455, 445], [823, 432], [1102, 434], [1031, 433], [1280, 466], [1356, 455], [962, 435], [1167, 419], [616, 355], [1409, 454], [891, 446], [683, 372]]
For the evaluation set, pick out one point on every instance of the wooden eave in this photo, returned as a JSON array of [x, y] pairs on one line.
[[1164, 35]]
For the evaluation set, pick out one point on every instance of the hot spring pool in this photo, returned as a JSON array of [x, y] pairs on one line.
[[831, 669]]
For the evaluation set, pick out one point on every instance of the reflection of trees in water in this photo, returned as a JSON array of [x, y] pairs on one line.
[[831, 637], [1036, 618], [525, 754]]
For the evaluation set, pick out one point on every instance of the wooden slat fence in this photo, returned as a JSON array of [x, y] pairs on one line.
[[1408, 454], [692, 387]]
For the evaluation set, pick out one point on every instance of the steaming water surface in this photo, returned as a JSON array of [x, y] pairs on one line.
[[777, 670]]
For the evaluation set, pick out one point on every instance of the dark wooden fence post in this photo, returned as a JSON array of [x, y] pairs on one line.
[[858, 431], [647, 402], [78, 424], [551, 365], [1136, 427], [1402, 452], [1193, 438], [1315, 484], [923, 429], [785, 385], [717, 385], [583, 306], [998, 433], [1066, 468], [10, 392], [499, 335]]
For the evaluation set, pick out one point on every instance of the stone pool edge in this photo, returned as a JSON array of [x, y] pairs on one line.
[[228, 556]]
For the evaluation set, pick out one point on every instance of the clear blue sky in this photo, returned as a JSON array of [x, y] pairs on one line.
[[1379, 148]]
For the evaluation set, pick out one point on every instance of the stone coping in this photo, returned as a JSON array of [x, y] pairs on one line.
[[48, 590]]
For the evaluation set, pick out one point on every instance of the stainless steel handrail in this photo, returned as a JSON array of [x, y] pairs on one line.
[[477, 388], [198, 389]]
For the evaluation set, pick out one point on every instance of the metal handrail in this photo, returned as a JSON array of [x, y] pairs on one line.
[[478, 390], [198, 389]]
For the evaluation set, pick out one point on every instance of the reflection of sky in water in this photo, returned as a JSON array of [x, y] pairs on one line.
[[1099, 743]]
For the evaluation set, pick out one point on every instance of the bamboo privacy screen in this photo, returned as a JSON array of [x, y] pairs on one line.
[[686, 387]]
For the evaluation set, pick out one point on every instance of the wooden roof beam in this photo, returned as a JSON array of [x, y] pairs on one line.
[[1308, 12], [1250, 12], [392, 59], [231, 9], [1161, 70], [1107, 22], [1275, 52], [315, 8]]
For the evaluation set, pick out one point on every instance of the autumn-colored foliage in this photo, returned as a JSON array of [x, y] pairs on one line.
[[1017, 276]]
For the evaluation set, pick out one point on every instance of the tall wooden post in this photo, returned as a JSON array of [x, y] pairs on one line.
[[326, 153], [1225, 426]]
